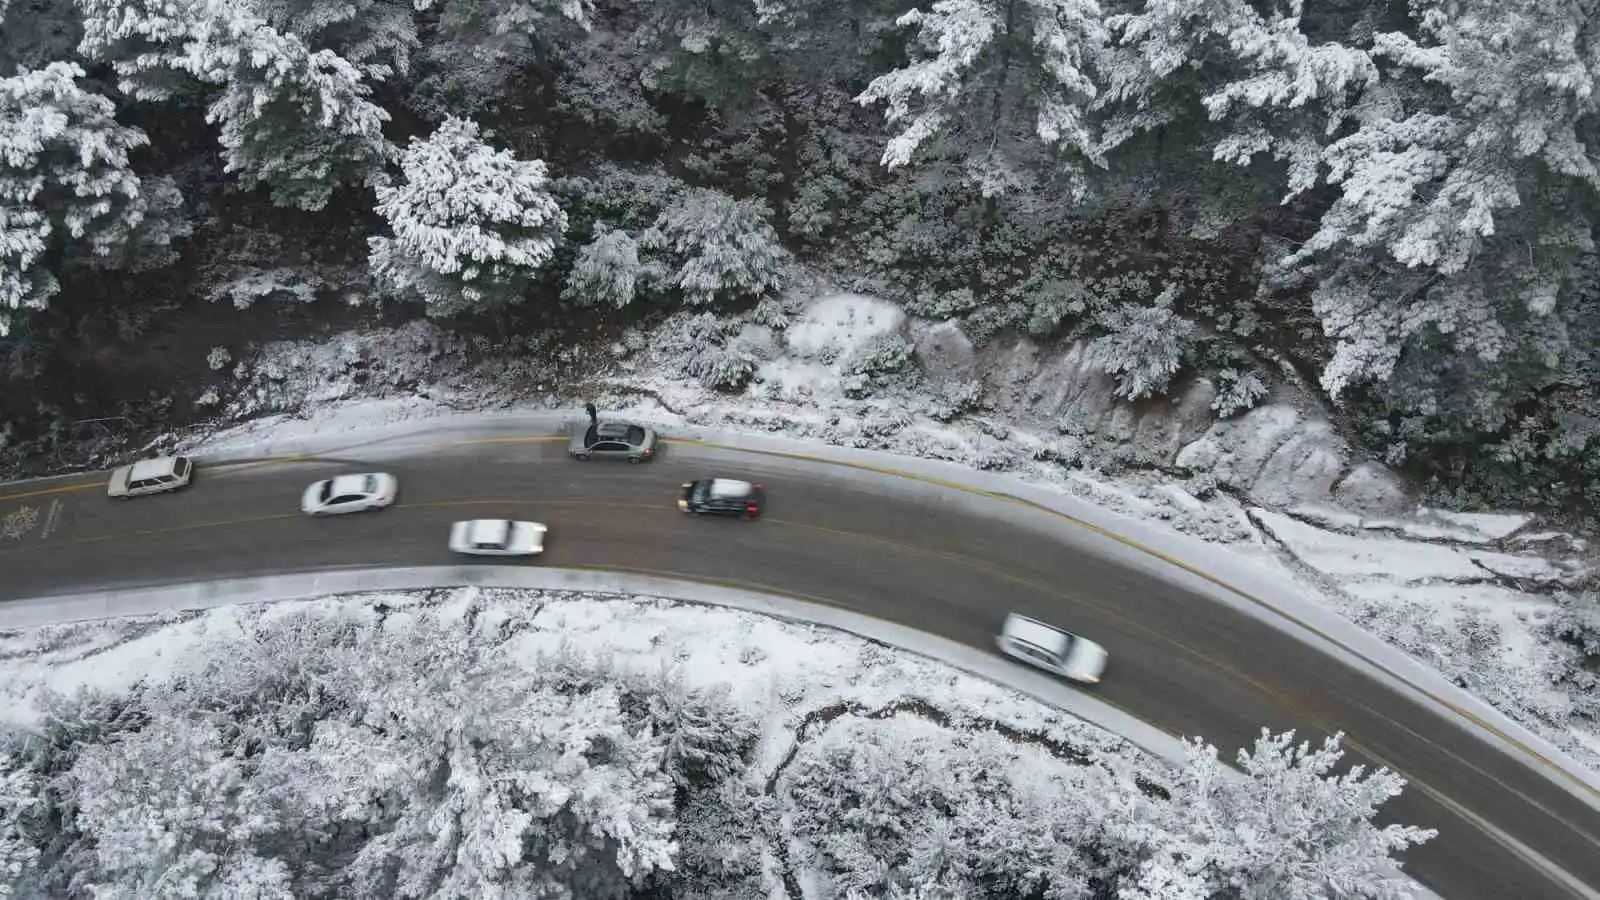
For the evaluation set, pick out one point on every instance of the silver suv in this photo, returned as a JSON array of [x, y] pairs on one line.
[[613, 440], [150, 476]]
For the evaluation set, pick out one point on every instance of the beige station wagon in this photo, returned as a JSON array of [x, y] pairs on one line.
[[150, 476]]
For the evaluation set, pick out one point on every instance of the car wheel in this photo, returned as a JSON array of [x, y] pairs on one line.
[[634, 460], [581, 457]]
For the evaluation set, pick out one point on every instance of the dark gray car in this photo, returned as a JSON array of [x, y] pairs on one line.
[[613, 440]]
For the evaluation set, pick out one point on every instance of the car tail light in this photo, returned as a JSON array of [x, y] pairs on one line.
[[750, 508], [650, 452]]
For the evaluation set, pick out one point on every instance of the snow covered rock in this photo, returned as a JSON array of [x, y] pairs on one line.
[[943, 350], [1370, 487]]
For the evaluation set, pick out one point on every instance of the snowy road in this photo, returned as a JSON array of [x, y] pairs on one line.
[[934, 559]]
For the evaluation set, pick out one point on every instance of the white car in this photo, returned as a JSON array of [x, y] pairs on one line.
[[150, 476], [349, 493], [1052, 649], [497, 537]]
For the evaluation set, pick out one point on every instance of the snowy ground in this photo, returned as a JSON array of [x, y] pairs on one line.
[[824, 706], [1468, 594]]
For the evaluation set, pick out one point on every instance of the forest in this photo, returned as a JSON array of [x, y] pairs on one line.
[[1390, 203]]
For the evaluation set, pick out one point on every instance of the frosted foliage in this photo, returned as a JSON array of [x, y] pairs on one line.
[[19, 805], [926, 813], [1144, 346], [64, 180], [170, 811], [1237, 391], [713, 247], [473, 226], [607, 272], [291, 119], [375, 36], [1459, 206], [312, 757], [1290, 830], [960, 78], [1267, 86]]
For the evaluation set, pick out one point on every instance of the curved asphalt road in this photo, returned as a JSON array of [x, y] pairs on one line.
[[892, 548]]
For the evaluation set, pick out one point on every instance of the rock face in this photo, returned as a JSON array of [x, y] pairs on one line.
[[1282, 452]]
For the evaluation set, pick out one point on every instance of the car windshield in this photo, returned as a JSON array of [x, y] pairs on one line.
[[326, 492], [635, 435]]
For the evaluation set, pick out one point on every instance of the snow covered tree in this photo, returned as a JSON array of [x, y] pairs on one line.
[[67, 191], [473, 48], [608, 272], [995, 79], [1465, 193], [182, 776], [473, 226], [923, 811], [295, 120], [20, 805], [714, 248], [378, 37], [1144, 346], [708, 50], [36, 33], [1289, 829]]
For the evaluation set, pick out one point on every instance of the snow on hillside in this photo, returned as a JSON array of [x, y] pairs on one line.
[[501, 743], [1274, 484]]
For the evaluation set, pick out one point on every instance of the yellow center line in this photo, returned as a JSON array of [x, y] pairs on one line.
[[1192, 569], [1592, 791]]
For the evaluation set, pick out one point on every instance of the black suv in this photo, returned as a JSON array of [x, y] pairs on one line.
[[722, 497]]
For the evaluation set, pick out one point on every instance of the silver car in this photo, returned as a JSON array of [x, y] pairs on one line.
[[150, 476], [613, 440], [350, 493], [497, 537], [1052, 649]]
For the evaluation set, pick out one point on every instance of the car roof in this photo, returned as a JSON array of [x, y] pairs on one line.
[[728, 488], [1032, 631], [350, 484], [612, 430], [151, 468], [488, 531]]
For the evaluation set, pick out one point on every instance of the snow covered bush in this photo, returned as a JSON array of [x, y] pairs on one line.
[[1237, 392], [1576, 623], [1289, 828], [714, 248], [1469, 648], [218, 358], [67, 189], [473, 226], [709, 349], [608, 272], [1144, 346], [953, 399], [876, 362], [941, 814], [244, 286]]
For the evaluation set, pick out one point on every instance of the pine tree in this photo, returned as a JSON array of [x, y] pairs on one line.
[[68, 194], [1291, 829], [292, 119], [713, 248], [996, 80], [474, 227]]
